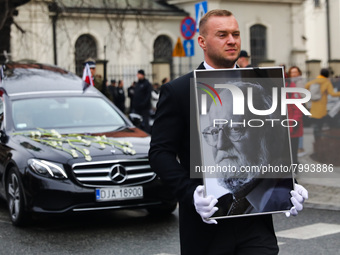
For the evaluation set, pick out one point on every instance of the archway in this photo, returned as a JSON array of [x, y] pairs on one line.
[[85, 47]]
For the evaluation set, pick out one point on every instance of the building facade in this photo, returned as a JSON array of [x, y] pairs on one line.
[[322, 21], [271, 31], [8, 10], [127, 38], [142, 34]]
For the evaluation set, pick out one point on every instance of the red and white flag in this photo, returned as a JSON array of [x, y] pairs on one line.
[[87, 77]]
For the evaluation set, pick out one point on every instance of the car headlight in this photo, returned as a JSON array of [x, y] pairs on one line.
[[47, 169]]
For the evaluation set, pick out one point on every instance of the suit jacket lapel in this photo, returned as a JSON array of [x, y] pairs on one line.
[[201, 66]]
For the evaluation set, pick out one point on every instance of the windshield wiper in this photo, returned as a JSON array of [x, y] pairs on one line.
[[120, 128]]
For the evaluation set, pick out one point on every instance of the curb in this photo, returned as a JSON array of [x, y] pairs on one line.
[[322, 197]]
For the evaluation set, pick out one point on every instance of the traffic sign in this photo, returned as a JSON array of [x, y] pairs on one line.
[[188, 46], [188, 27], [201, 9], [178, 50]]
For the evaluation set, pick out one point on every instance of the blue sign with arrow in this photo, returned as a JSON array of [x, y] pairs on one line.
[[188, 46]]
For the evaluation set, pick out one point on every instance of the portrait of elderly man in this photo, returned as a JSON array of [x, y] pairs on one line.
[[245, 146]]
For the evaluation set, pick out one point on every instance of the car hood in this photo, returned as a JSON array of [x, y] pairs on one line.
[[50, 145]]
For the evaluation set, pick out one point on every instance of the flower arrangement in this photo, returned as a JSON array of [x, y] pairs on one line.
[[56, 140]]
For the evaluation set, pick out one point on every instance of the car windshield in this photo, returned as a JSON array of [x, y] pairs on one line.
[[66, 114]]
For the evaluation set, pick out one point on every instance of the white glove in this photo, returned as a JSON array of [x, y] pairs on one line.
[[299, 194], [205, 205]]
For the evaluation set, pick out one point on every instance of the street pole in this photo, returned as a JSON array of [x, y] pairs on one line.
[[105, 62]]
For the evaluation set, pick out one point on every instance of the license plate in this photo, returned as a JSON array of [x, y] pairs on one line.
[[119, 193]]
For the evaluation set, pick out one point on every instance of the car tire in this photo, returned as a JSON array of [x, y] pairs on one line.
[[15, 198], [164, 209]]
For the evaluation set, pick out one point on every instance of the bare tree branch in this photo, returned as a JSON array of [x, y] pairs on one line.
[[19, 27], [5, 14]]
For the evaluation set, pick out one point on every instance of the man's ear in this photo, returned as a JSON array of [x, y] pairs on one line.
[[201, 42]]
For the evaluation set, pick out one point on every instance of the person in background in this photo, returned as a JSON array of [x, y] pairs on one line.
[[295, 76], [154, 98], [131, 93], [141, 102], [120, 99], [319, 107], [97, 80], [243, 60], [294, 113], [112, 90], [165, 80]]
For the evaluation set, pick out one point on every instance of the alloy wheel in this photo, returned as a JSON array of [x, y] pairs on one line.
[[14, 196]]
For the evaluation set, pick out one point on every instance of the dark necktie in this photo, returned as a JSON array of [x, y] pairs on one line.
[[223, 205], [239, 206]]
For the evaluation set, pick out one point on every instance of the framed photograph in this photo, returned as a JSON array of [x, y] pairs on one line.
[[244, 140]]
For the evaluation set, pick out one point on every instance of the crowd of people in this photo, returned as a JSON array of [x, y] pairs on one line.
[[318, 107], [321, 88], [143, 95]]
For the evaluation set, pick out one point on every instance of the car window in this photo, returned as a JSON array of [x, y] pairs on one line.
[[86, 114]]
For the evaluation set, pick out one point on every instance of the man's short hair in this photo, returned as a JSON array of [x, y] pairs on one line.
[[141, 71], [244, 54], [324, 72], [212, 13]]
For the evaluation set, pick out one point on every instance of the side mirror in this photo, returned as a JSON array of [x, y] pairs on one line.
[[3, 136], [136, 119]]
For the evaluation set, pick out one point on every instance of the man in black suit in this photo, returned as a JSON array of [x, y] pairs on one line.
[[141, 102], [170, 157]]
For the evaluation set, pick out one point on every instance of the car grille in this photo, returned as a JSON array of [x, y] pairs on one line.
[[117, 172]]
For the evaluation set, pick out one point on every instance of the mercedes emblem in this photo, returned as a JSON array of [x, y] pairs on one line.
[[118, 174]]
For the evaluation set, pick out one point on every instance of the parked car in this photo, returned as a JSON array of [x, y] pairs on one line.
[[64, 147]]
